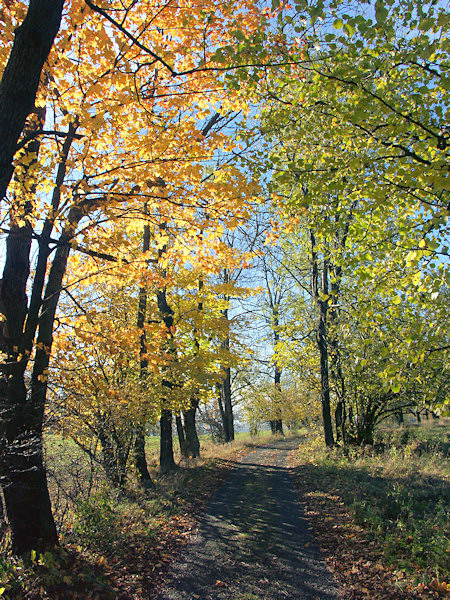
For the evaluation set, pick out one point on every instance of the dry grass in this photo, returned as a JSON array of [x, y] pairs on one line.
[[392, 500]]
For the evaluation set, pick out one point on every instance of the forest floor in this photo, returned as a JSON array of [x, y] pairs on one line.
[[253, 542]]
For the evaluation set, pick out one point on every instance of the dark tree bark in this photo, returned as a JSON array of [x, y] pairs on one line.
[[192, 441], [143, 474], [22, 469], [166, 459], [322, 343], [277, 427], [226, 405], [181, 436], [276, 424], [340, 415], [18, 87], [339, 419], [114, 452], [219, 431], [22, 473], [142, 471]]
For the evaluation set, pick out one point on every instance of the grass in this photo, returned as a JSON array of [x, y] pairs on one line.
[[398, 496]]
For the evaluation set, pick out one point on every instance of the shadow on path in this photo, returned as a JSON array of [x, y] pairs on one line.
[[253, 542]]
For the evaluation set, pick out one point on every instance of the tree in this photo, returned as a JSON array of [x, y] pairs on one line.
[[100, 396], [102, 95], [33, 40], [354, 131]]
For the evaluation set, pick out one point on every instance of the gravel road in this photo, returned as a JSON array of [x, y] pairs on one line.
[[253, 542]]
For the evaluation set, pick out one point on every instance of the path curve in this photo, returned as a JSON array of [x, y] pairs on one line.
[[253, 542]]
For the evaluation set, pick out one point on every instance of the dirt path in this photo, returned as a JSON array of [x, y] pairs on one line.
[[253, 541]]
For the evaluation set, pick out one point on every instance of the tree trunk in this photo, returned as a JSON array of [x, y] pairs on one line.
[[340, 418], [192, 441], [166, 460], [341, 235], [108, 454], [3, 521], [115, 454], [277, 423], [225, 385], [142, 472], [324, 377], [22, 472], [322, 344], [181, 436], [140, 460], [219, 432], [26, 494], [227, 413], [18, 87]]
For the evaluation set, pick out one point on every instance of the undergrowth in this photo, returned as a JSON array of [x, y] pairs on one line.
[[398, 490], [114, 543]]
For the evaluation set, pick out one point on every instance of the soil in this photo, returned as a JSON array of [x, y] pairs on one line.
[[253, 541]]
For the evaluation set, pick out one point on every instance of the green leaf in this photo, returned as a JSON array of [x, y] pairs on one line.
[[338, 24], [381, 11], [349, 29], [218, 56]]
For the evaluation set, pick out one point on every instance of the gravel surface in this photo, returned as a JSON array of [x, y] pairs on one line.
[[253, 542]]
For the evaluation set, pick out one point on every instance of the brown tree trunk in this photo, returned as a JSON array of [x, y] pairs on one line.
[[225, 404], [339, 418], [192, 441], [227, 412], [340, 415], [166, 460], [18, 87], [277, 423], [25, 489], [181, 436], [143, 474], [22, 472], [220, 433], [142, 471], [322, 344]]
